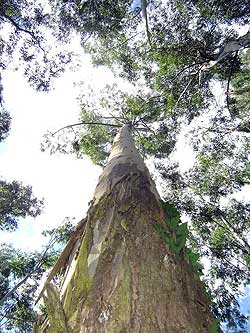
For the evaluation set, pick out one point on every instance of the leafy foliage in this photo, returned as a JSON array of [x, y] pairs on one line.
[[61, 233], [214, 328], [176, 235], [219, 230], [17, 311], [5, 121], [16, 201], [221, 11], [98, 19], [239, 96], [14, 266], [28, 31]]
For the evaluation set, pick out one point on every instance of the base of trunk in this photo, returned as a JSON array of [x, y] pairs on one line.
[[125, 278]]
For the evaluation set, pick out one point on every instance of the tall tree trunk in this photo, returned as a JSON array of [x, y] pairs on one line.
[[121, 277]]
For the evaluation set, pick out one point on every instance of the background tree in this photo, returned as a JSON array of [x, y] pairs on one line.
[[5, 121], [20, 278], [28, 30], [16, 201]]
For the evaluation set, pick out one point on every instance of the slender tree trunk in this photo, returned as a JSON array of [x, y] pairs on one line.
[[121, 276]]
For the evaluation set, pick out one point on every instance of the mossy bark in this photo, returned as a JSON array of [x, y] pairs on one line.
[[123, 276]]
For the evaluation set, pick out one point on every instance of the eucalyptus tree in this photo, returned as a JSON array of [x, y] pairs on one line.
[[127, 268], [192, 44], [220, 223]]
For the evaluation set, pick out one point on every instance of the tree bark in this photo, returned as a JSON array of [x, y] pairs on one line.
[[121, 276], [228, 49]]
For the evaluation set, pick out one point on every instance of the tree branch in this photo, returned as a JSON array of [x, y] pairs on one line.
[[86, 123], [185, 68], [31, 33], [183, 92], [146, 126], [229, 48], [229, 79]]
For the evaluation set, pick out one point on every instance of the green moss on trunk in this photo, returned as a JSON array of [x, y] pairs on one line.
[[121, 302], [79, 283]]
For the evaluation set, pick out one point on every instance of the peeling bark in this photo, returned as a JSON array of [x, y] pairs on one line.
[[65, 257], [56, 315], [124, 278]]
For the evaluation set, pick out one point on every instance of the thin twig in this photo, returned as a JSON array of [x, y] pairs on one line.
[[229, 79], [146, 125], [122, 43], [183, 92], [184, 69], [31, 33], [143, 129], [120, 119], [186, 88], [5, 322], [85, 123]]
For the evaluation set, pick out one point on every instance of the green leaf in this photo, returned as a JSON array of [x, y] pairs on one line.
[[181, 242], [170, 209], [10, 12], [171, 243], [182, 229], [198, 266], [176, 248], [173, 223], [214, 328], [158, 228], [246, 258], [193, 257]]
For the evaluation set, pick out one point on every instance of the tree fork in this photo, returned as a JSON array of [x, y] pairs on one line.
[[121, 277]]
